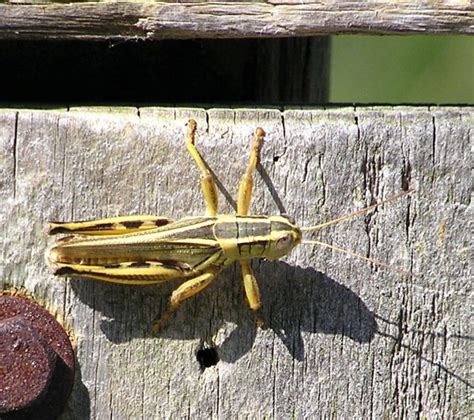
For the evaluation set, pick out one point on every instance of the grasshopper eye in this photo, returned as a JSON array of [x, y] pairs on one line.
[[283, 242]]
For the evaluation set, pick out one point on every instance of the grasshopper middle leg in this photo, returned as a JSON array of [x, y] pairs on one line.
[[185, 291], [208, 185]]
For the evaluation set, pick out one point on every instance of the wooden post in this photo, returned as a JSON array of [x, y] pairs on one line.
[[341, 336]]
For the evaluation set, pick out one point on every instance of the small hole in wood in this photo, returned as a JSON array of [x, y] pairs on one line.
[[207, 357], [276, 158]]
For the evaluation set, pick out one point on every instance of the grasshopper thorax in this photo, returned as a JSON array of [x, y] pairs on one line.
[[247, 237]]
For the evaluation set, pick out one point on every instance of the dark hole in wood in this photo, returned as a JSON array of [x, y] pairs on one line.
[[276, 158], [207, 357]]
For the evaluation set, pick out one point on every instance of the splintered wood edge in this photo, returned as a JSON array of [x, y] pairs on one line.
[[132, 21]]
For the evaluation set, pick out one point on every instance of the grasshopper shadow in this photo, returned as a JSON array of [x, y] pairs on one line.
[[297, 300], [294, 299]]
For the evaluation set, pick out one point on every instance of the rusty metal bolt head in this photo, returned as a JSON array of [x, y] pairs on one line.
[[36, 361], [27, 362]]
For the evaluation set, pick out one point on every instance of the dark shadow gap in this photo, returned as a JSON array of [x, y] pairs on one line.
[[170, 71]]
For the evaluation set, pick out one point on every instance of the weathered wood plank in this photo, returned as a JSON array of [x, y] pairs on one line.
[[151, 20], [355, 339]]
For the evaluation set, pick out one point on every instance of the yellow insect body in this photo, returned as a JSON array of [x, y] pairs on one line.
[[177, 250]]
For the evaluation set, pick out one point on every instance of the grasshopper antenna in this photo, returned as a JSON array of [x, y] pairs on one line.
[[361, 257], [357, 213]]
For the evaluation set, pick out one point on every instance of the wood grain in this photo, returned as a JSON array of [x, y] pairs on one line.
[[341, 336], [150, 20]]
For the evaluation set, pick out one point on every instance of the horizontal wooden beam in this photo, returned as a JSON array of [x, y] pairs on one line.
[[150, 20]]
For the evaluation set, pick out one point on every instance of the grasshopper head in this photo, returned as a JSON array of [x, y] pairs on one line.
[[284, 236]]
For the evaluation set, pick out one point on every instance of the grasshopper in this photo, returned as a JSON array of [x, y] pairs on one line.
[[143, 250]]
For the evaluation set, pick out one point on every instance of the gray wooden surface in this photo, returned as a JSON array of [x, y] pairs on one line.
[[152, 20], [342, 338]]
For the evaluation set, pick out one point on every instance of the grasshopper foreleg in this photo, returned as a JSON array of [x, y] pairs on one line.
[[244, 196], [243, 205], [252, 291]]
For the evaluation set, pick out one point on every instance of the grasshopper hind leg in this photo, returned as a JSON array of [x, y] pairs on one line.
[[134, 273], [108, 226]]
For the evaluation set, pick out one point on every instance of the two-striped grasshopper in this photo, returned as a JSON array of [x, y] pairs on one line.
[[147, 249]]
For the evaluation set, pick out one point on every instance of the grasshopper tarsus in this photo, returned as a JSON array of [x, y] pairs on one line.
[[192, 127], [259, 321]]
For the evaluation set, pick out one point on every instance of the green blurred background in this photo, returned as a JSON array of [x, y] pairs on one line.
[[402, 69]]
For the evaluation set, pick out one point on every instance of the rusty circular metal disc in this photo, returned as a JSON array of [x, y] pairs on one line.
[[38, 391], [26, 362]]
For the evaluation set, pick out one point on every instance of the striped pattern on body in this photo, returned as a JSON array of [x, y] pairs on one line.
[[179, 249]]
